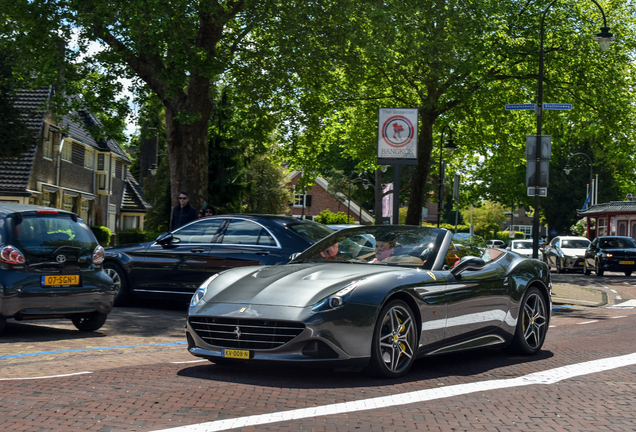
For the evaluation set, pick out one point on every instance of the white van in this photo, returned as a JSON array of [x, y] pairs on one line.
[[495, 244]]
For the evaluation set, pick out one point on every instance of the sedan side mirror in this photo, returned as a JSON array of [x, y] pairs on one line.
[[467, 263], [164, 238]]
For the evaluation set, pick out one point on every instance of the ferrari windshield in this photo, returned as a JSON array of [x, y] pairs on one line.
[[390, 245]]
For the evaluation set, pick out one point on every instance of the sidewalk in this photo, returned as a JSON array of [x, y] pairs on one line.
[[577, 295]]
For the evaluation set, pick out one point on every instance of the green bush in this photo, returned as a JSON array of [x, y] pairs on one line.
[[505, 236], [102, 234], [328, 217], [133, 236]]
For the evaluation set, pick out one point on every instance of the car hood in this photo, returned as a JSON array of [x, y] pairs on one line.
[[577, 252], [291, 285]]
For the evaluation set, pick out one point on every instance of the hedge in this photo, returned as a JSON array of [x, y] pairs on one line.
[[135, 236], [102, 234]]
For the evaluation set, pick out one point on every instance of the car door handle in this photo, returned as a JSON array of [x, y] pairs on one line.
[[197, 250], [263, 253]]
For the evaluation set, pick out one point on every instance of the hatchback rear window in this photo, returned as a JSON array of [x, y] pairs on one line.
[[44, 234]]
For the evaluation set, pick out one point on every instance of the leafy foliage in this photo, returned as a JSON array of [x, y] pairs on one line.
[[328, 217]]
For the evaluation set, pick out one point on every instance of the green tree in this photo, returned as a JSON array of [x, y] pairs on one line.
[[268, 194], [486, 219]]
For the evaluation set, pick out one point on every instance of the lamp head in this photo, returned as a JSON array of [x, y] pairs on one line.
[[567, 169], [153, 169], [604, 38], [383, 168], [450, 144]]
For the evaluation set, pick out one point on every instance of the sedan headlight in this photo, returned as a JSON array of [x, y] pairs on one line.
[[199, 294], [607, 255], [336, 300]]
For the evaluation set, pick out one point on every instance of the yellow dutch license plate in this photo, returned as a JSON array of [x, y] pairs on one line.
[[238, 354], [65, 280], [627, 262]]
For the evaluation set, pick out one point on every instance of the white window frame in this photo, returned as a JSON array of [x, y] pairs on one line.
[[66, 154], [89, 159]]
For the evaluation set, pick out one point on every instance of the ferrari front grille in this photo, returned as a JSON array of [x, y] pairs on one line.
[[245, 333]]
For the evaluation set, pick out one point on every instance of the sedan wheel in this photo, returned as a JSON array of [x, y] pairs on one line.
[[116, 273], [90, 322], [628, 273], [586, 271], [599, 268], [394, 341], [532, 325]]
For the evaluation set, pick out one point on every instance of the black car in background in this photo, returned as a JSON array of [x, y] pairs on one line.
[[177, 263], [50, 267], [610, 253]]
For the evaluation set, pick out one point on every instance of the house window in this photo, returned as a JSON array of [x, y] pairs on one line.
[[118, 170], [602, 227], [100, 162], [78, 154], [89, 159], [131, 222], [68, 203], [101, 181], [46, 198], [47, 145], [67, 151]]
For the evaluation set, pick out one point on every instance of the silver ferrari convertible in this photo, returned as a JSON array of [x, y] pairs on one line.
[[374, 297]]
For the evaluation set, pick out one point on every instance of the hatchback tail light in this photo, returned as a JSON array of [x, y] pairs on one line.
[[11, 255], [98, 255]]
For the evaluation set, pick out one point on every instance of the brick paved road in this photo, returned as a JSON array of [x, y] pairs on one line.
[[146, 386]]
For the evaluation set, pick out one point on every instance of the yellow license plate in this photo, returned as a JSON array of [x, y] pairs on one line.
[[238, 354], [66, 280], [627, 262]]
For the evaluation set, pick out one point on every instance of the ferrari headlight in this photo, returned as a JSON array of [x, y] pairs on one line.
[[336, 300], [200, 292]]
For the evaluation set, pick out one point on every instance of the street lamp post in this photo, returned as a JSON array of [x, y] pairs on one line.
[[567, 171], [449, 145], [604, 38]]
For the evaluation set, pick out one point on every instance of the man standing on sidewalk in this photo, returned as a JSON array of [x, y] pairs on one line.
[[182, 213]]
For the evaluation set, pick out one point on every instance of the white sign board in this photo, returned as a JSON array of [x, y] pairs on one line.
[[397, 133]]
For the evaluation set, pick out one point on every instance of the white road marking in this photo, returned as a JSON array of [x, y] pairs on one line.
[[547, 377], [45, 377], [614, 291], [630, 304], [588, 322], [620, 316]]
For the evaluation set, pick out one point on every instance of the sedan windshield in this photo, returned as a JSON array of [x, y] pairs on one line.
[[575, 244]]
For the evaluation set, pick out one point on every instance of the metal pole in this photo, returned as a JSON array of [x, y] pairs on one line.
[[396, 193], [537, 171], [440, 198]]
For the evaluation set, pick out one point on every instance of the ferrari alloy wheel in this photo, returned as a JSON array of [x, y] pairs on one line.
[[586, 270], [394, 341], [90, 322], [532, 325], [599, 268], [116, 273]]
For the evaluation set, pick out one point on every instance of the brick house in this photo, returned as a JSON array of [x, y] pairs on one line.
[[68, 168], [317, 198]]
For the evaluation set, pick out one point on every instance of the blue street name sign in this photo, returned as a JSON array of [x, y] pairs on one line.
[[519, 107], [557, 106]]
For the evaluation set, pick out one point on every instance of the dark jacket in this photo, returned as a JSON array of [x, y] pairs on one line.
[[182, 216]]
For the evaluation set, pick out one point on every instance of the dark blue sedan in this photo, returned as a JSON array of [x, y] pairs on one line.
[[176, 263]]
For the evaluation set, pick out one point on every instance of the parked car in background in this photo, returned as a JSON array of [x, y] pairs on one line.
[[566, 253], [429, 292], [176, 263], [611, 253], [51, 267], [499, 244], [522, 247]]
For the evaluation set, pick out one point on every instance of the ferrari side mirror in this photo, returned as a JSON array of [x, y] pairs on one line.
[[467, 263]]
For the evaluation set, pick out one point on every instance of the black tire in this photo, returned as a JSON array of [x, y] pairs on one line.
[[586, 271], [117, 274], [394, 342], [532, 324], [90, 322], [558, 265], [599, 268], [628, 273]]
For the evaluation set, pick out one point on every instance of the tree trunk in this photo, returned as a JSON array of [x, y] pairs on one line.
[[190, 139], [418, 180]]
